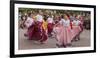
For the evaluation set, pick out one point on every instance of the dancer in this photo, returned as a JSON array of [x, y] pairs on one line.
[[50, 25], [76, 28], [63, 32], [40, 30], [57, 31], [29, 24], [67, 31]]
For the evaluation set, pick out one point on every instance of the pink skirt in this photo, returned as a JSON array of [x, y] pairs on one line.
[[63, 35], [75, 31], [69, 34]]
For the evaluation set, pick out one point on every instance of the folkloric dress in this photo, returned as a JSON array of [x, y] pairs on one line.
[[63, 32], [50, 25], [29, 23], [67, 32], [39, 31], [76, 28]]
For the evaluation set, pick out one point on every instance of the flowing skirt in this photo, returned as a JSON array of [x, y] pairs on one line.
[[75, 31], [64, 35], [30, 31], [50, 28], [36, 32]]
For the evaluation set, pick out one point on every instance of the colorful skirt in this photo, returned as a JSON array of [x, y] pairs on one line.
[[64, 35], [75, 31], [50, 28], [36, 32]]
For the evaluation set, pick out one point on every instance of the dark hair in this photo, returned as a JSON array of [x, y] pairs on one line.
[[62, 16], [67, 14], [23, 16], [29, 14], [45, 17], [71, 14]]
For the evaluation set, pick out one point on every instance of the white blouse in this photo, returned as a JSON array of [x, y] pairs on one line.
[[39, 18], [29, 22], [50, 20], [76, 22], [65, 22]]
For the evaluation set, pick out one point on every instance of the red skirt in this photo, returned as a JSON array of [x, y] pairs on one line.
[[36, 32], [50, 27]]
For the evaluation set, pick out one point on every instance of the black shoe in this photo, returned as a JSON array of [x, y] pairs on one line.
[[25, 35], [59, 46], [69, 44]]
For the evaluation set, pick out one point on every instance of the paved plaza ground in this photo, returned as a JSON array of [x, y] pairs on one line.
[[24, 43]]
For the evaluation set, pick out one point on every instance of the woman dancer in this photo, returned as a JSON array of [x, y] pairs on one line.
[[67, 31], [29, 24], [50, 25], [39, 30], [63, 32], [76, 28], [57, 31]]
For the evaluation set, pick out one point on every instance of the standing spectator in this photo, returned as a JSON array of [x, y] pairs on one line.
[[22, 21]]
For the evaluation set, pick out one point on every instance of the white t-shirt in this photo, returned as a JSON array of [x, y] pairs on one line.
[[50, 20], [39, 18]]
